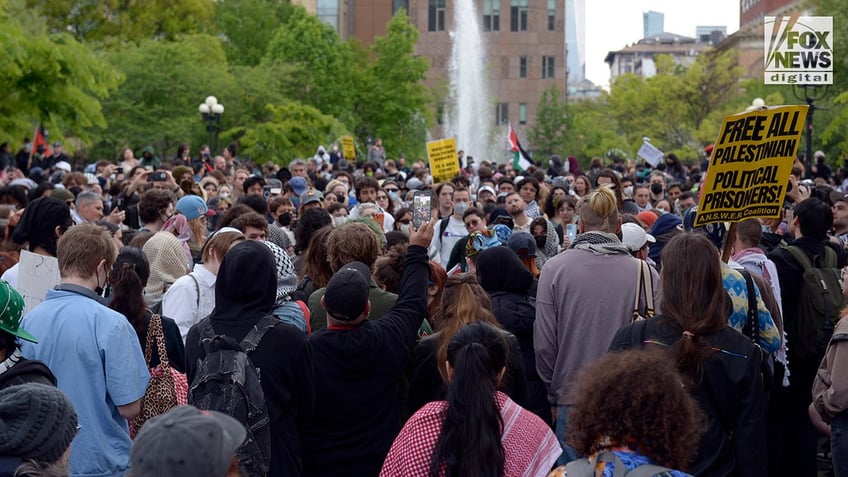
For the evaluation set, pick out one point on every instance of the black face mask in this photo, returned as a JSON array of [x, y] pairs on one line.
[[341, 198], [285, 219], [656, 188], [541, 240]]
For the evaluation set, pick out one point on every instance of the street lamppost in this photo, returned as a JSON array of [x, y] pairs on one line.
[[211, 110], [809, 95]]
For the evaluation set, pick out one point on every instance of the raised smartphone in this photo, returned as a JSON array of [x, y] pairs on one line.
[[571, 232], [422, 207]]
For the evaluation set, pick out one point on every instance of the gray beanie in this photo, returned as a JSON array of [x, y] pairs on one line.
[[36, 422]]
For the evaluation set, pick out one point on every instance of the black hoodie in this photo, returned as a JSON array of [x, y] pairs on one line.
[[27, 371], [507, 281], [245, 291]]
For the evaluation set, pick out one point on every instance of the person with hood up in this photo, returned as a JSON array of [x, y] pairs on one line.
[[282, 356], [149, 159], [507, 281], [663, 230]]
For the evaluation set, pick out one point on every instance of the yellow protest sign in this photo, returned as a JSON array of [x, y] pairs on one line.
[[750, 165], [348, 149], [444, 164]]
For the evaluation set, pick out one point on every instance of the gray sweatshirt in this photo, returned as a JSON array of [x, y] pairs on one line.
[[582, 300]]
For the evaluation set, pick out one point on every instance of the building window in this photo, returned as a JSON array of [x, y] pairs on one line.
[[547, 67], [328, 12], [551, 15], [502, 114], [491, 15], [522, 67], [436, 15], [398, 4], [522, 113], [517, 15]]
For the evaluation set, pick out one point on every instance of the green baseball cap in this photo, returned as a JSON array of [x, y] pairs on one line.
[[11, 312]]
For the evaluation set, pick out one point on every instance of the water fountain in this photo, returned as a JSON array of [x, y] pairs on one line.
[[468, 115]]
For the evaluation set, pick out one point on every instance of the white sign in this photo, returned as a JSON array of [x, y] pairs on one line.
[[650, 153], [798, 50], [36, 275]]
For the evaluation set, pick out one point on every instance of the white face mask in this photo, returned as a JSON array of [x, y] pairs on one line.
[[404, 228], [459, 208], [628, 191], [339, 220]]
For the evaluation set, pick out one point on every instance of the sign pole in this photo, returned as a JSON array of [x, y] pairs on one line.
[[728, 243]]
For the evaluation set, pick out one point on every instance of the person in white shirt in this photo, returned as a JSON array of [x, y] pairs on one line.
[[192, 297]]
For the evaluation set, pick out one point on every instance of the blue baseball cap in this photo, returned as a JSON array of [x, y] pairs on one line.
[[192, 207]]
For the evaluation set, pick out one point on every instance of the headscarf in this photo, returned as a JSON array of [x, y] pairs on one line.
[[39, 221], [167, 263], [246, 286], [178, 226]]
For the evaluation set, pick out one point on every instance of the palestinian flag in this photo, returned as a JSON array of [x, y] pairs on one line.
[[521, 160]]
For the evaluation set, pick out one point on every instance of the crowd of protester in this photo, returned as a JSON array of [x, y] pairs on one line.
[[548, 321]]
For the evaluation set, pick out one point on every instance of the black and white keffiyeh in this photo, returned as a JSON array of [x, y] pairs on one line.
[[600, 243]]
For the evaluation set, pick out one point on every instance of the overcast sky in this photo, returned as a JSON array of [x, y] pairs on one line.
[[613, 24]]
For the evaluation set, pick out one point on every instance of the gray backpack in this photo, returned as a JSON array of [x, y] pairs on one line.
[[227, 381], [584, 468]]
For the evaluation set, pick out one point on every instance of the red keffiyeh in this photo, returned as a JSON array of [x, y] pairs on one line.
[[530, 448]]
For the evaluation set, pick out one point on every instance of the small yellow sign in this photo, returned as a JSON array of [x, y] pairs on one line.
[[444, 164], [750, 165], [348, 149]]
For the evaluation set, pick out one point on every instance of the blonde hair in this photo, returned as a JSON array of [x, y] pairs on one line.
[[599, 211]]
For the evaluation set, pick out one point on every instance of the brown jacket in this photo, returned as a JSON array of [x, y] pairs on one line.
[[830, 388]]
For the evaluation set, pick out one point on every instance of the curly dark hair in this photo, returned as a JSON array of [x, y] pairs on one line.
[[153, 203], [312, 220], [617, 406]]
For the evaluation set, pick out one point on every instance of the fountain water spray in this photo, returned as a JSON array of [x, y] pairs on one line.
[[468, 116]]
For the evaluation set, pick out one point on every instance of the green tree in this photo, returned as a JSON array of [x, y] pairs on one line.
[[554, 123], [165, 83], [247, 27], [394, 104], [831, 122], [49, 79], [322, 63], [680, 107], [114, 21], [293, 131]]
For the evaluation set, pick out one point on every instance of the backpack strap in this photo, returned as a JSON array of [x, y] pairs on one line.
[[443, 225], [800, 256], [254, 336], [196, 289], [648, 470]]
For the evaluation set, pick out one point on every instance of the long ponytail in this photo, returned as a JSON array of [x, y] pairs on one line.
[[128, 278], [470, 439]]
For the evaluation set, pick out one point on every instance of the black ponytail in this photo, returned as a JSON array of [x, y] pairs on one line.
[[470, 440], [128, 278]]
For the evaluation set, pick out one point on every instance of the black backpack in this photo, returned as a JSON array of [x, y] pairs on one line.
[[227, 381], [808, 332]]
